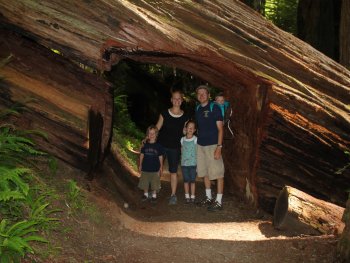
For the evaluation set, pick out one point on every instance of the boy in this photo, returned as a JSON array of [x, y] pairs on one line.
[[150, 166]]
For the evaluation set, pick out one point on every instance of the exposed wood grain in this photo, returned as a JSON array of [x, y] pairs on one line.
[[290, 102]]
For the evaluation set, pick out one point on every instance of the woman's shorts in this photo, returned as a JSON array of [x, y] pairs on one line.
[[173, 157], [207, 165], [189, 173], [149, 178]]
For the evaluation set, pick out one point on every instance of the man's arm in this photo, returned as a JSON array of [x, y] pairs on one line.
[[217, 153]]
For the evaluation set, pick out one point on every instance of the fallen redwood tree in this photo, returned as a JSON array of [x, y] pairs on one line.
[[344, 241], [290, 102], [299, 211]]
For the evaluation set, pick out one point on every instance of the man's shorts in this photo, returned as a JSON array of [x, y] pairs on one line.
[[207, 165]]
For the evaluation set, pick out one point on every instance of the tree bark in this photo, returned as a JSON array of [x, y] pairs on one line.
[[318, 23], [345, 34], [60, 97], [297, 210], [344, 241], [290, 102]]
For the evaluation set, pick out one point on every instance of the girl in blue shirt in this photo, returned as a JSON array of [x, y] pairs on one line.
[[189, 161]]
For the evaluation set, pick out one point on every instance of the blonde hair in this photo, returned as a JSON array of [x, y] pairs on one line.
[[151, 127]]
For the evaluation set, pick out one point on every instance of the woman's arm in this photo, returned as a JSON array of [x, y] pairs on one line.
[[160, 122]]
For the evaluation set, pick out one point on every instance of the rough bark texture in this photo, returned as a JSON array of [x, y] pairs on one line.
[[296, 209], [59, 97], [318, 23], [344, 38], [290, 102], [344, 241]]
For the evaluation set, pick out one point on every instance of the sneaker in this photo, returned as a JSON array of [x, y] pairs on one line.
[[144, 198], [192, 200], [205, 202], [187, 201], [216, 206], [154, 200], [173, 200]]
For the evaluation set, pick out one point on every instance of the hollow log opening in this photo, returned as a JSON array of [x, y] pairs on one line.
[[247, 96]]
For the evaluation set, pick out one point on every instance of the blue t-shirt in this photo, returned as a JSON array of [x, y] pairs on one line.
[[206, 121], [151, 152]]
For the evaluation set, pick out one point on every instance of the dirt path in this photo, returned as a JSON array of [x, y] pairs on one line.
[[180, 233]]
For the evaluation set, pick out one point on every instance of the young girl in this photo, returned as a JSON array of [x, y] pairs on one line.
[[150, 166], [189, 161]]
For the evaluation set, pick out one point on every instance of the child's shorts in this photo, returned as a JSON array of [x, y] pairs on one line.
[[189, 173], [149, 178]]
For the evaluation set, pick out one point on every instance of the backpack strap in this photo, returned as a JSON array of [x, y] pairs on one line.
[[211, 106]]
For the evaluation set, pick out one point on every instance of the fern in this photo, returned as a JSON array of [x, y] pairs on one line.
[[12, 186], [17, 199], [16, 149], [14, 239]]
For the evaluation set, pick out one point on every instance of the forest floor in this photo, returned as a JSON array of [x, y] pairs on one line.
[[101, 229]]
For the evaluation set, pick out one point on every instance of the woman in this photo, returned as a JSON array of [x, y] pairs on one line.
[[170, 124]]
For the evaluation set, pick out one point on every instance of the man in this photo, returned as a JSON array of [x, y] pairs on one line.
[[210, 165]]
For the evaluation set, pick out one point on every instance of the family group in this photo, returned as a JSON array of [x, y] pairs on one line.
[[173, 137]]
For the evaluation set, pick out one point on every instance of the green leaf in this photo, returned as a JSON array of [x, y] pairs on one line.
[[36, 238], [13, 244], [17, 228]]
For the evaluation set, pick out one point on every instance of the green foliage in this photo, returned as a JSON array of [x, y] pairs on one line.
[[122, 120], [15, 238], [283, 13], [127, 146], [25, 210], [126, 134], [12, 186], [73, 190], [74, 197], [53, 165]]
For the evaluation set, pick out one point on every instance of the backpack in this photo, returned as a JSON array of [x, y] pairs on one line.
[[226, 112]]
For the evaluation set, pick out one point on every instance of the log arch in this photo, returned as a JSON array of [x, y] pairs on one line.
[[247, 93], [306, 127]]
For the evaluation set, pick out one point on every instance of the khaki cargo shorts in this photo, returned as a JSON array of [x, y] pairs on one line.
[[207, 165], [149, 179]]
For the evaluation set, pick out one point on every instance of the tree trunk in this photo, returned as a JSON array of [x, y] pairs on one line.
[[60, 98], [297, 210], [318, 23], [345, 34], [290, 102], [344, 241]]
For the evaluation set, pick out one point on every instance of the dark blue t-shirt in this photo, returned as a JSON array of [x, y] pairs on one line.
[[206, 122], [151, 152]]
